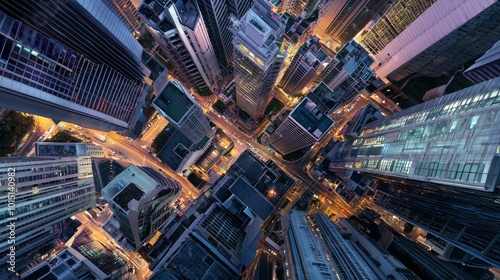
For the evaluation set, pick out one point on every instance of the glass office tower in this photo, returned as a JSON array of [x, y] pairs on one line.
[[48, 191], [257, 57], [72, 61], [453, 140]]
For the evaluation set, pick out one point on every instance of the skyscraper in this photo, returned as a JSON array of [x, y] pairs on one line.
[[73, 61], [141, 199], [191, 134], [305, 125], [48, 191], [303, 67], [183, 36], [257, 57], [466, 219], [348, 73], [216, 17], [342, 20], [126, 11], [178, 107], [450, 28], [452, 140], [355, 255], [238, 7], [304, 257], [392, 23]]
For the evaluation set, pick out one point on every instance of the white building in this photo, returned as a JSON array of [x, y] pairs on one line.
[[184, 37]]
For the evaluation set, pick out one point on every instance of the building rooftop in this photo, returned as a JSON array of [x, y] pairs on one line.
[[188, 13], [173, 152], [173, 102], [251, 166], [131, 192], [323, 96], [245, 192], [309, 116]]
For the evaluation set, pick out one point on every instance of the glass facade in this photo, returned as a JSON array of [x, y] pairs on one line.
[[257, 57], [467, 219], [394, 21], [453, 140], [45, 71], [48, 190]]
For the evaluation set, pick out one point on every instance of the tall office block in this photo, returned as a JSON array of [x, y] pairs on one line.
[[216, 17], [238, 7], [304, 257], [48, 191], [348, 73], [355, 255], [303, 67], [257, 57], [191, 134], [342, 20], [452, 140], [305, 125], [126, 11], [141, 199], [440, 39], [73, 61], [486, 67], [263, 267], [178, 107], [393, 22], [466, 219], [183, 36]]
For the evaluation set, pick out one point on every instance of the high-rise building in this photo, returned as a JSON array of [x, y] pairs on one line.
[[206, 242], [342, 20], [191, 134], [71, 60], [183, 36], [257, 57], [263, 267], [355, 255], [303, 67], [305, 125], [181, 110], [126, 11], [486, 67], [348, 73], [51, 149], [141, 198], [466, 219], [217, 20], [238, 7], [47, 191], [304, 257], [393, 22], [450, 28], [452, 140]]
